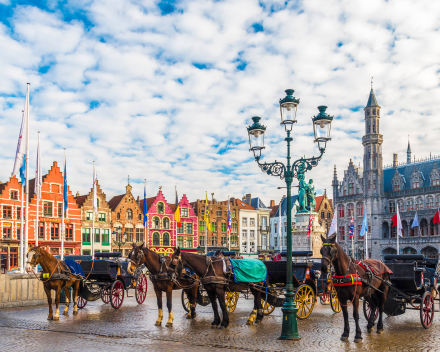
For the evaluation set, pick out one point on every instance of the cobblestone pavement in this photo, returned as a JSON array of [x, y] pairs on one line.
[[98, 327]]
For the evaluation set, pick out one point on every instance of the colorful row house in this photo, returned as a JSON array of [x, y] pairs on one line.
[[49, 224]]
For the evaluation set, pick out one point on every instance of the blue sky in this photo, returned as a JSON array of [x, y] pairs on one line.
[[164, 90]]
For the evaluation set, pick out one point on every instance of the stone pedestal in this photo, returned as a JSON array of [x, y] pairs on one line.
[[300, 242]]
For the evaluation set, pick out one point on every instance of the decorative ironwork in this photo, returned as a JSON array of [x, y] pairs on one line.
[[272, 169], [301, 166]]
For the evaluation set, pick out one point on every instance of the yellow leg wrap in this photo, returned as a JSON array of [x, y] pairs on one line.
[[159, 319], [170, 319]]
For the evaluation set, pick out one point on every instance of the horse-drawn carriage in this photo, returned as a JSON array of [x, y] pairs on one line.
[[107, 278], [413, 286]]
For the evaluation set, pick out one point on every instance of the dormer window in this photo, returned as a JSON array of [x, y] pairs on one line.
[[416, 184], [435, 180]]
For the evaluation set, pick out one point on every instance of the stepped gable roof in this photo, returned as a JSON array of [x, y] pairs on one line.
[[284, 205], [372, 99], [149, 202], [114, 202], [80, 200], [318, 200], [257, 203], [425, 167]]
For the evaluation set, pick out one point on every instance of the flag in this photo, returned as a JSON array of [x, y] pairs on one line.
[[364, 225], [145, 206], [397, 222], [311, 218], [333, 226], [23, 171], [436, 219], [229, 221], [65, 193], [351, 231], [38, 175], [95, 192], [415, 221], [177, 212], [208, 224], [21, 145]]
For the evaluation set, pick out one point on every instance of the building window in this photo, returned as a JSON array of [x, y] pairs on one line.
[[86, 236], [129, 234], [180, 241], [223, 227], [341, 212], [322, 215], [351, 188], [97, 236], [410, 205], [47, 208], [118, 216], [139, 234], [224, 243], [419, 204], [251, 222], [213, 241], [184, 212], [7, 212], [244, 221], [129, 214], [105, 237], [18, 231], [13, 257], [429, 203], [86, 252], [233, 214], [54, 231], [160, 208], [325, 206], [101, 217], [350, 209], [156, 223], [416, 184], [166, 223], [374, 184], [69, 232], [435, 180], [214, 226], [189, 228], [202, 225], [202, 241], [14, 196], [219, 213], [7, 230], [243, 234], [189, 242], [392, 206], [359, 227], [41, 230], [400, 205], [89, 216], [285, 227], [341, 232], [252, 234], [180, 229], [140, 217], [396, 187], [359, 209], [234, 227], [156, 240], [18, 213], [60, 209], [275, 242], [166, 239]]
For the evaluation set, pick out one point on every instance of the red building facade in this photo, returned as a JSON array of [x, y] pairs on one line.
[[187, 234]]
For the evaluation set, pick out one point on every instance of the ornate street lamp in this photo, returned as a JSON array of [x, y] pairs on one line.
[[321, 128]]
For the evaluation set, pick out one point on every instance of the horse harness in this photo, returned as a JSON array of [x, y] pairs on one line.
[[62, 271]]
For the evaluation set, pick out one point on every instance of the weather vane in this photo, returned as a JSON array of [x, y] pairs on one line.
[[371, 82]]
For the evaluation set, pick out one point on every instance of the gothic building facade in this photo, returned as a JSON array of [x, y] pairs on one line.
[[412, 186]]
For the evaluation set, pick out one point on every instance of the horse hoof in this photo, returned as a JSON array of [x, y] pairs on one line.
[[380, 331], [358, 339], [75, 313], [56, 318], [344, 338], [258, 321], [158, 323], [65, 313], [193, 316], [169, 325], [370, 330], [249, 322], [49, 318]]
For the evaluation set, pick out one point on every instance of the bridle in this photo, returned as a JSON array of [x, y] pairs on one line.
[[35, 256], [330, 258], [136, 261], [175, 275]]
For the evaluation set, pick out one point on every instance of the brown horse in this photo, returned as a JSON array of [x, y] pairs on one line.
[[351, 287], [163, 280], [216, 283], [52, 268]]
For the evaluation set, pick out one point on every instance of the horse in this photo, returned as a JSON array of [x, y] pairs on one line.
[[216, 283], [52, 268], [353, 280], [164, 280]]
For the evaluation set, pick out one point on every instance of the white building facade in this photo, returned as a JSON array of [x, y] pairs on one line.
[[278, 237]]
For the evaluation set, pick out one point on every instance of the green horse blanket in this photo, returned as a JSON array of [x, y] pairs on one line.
[[248, 270]]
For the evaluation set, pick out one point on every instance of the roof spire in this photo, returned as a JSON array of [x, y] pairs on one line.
[[408, 153], [372, 98], [371, 82]]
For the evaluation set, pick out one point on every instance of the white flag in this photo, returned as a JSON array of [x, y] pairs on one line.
[[397, 222], [38, 175], [95, 193], [21, 145], [333, 225]]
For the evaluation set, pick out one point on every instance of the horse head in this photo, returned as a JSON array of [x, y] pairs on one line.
[[135, 257], [176, 264], [329, 252], [34, 257]]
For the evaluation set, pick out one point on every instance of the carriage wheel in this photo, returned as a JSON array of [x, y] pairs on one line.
[[427, 310], [105, 294], [267, 307], [141, 289], [305, 301], [81, 302], [231, 299], [117, 294], [334, 301], [367, 311]]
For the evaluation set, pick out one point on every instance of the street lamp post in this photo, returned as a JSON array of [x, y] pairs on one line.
[[321, 129], [118, 241]]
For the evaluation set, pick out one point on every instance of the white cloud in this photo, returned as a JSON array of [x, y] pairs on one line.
[[122, 88]]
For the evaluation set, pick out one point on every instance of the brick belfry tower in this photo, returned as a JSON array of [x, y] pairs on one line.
[[373, 172]]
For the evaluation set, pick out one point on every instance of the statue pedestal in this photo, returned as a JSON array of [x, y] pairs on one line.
[[300, 242]]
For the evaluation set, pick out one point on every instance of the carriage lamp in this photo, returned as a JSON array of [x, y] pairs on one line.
[[256, 136], [322, 127], [288, 109]]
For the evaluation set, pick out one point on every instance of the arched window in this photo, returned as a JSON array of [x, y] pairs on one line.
[[409, 250], [385, 230], [437, 201], [350, 209], [430, 252], [429, 203], [160, 208], [419, 203], [341, 211], [389, 251], [129, 214], [166, 239], [360, 209], [156, 223], [423, 227], [410, 205], [140, 217], [166, 223], [392, 206], [404, 228], [156, 240]]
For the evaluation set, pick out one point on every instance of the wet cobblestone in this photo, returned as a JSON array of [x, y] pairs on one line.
[[99, 327]]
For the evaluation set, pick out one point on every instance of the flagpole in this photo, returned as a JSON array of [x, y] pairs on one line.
[[229, 232], [206, 224], [26, 236], [145, 222], [38, 191], [21, 233], [62, 215], [93, 215], [366, 245]]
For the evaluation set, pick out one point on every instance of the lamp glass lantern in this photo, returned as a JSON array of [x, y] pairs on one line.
[[322, 127], [288, 109], [256, 136]]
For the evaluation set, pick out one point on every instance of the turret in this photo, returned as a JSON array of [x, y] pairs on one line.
[[408, 154], [335, 184]]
